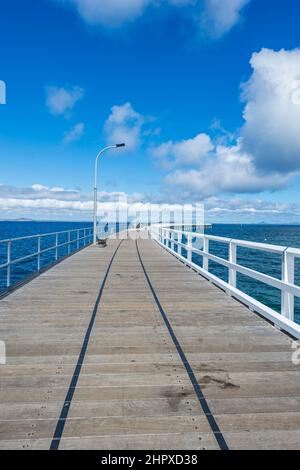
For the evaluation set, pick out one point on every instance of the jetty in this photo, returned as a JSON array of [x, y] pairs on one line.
[[133, 347]]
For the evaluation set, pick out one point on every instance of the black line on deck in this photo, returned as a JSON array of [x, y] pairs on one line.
[[202, 400], [72, 387]]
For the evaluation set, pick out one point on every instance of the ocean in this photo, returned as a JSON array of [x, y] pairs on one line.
[[267, 263]]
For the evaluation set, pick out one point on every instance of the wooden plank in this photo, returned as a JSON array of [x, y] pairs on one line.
[[184, 441], [133, 390]]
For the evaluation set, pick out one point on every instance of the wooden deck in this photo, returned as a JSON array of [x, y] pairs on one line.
[[117, 354]]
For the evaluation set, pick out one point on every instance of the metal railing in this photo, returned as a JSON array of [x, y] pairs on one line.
[[169, 238], [83, 236]]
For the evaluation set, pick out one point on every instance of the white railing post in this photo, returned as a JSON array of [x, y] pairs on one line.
[[179, 246], [232, 259], [8, 278], [69, 243], [172, 241], [56, 247], [205, 250], [288, 276], [39, 254], [84, 237], [189, 247], [78, 235]]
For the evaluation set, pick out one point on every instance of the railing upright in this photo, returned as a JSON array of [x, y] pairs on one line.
[[172, 240], [205, 250], [56, 247], [69, 243], [78, 235], [232, 259], [189, 247], [39, 254], [179, 235], [8, 278], [288, 276]]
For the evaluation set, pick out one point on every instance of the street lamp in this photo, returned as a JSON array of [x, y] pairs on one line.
[[95, 185]]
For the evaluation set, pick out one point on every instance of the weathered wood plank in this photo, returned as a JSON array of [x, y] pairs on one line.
[[133, 390]]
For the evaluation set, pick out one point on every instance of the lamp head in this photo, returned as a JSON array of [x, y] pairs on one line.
[[120, 145]]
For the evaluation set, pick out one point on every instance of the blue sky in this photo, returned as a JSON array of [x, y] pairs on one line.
[[166, 76]]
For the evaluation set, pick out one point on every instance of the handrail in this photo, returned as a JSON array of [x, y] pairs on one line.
[[169, 238], [84, 235], [40, 235], [244, 243]]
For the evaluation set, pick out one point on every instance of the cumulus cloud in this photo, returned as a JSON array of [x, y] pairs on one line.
[[124, 125], [228, 170], [216, 17], [272, 117], [74, 134], [219, 16], [183, 153], [61, 101], [266, 152]]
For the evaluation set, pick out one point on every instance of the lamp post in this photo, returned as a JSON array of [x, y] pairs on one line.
[[95, 185]]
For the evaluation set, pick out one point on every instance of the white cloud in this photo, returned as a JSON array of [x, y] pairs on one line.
[[266, 154], [43, 202], [219, 16], [238, 210], [110, 12], [35, 187], [272, 117], [40, 201], [124, 125], [229, 170], [183, 153], [61, 101], [74, 134]]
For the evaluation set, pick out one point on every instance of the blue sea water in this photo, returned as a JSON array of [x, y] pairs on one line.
[[267, 263]]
